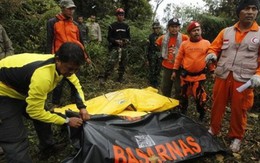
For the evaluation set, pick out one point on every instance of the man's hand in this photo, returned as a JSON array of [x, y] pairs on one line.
[[75, 122], [119, 42], [210, 58], [88, 60], [255, 81], [173, 76], [83, 113]]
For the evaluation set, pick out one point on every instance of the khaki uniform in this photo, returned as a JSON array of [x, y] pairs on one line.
[[94, 31], [6, 48]]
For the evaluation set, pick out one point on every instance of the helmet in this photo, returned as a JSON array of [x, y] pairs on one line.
[[120, 11], [156, 25]]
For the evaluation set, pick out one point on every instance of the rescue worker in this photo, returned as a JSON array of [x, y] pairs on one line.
[[6, 48], [237, 48], [118, 38], [25, 81], [154, 58], [191, 63], [62, 29], [170, 43], [82, 28], [93, 30]]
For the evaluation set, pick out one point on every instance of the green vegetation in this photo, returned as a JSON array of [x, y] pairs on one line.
[[25, 23]]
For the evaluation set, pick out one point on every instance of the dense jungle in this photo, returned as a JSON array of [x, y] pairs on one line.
[[25, 23]]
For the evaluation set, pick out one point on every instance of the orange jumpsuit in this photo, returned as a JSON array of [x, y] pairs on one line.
[[224, 91], [191, 57]]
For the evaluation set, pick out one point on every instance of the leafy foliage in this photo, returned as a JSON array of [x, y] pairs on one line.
[[209, 22], [25, 22], [134, 9]]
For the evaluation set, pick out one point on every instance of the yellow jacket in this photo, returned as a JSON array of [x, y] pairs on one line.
[[31, 77]]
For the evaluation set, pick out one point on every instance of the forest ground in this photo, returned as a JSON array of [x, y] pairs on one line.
[[250, 149]]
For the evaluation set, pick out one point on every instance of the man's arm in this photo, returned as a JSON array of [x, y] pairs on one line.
[[79, 95], [37, 96], [110, 37], [8, 48], [179, 57], [216, 45], [50, 36], [128, 33], [99, 33]]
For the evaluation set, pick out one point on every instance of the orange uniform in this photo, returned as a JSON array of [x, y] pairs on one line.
[[169, 62], [225, 87], [191, 61], [60, 30]]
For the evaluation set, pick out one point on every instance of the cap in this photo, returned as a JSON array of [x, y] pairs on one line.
[[192, 25], [67, 4], [244, 3], [120, 11], [174, 21], [156, 25]]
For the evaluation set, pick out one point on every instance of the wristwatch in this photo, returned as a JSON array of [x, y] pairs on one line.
[[67, 120]]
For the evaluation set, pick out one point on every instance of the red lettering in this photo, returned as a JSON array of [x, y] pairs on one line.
[[141, 154], [162, 152], [174, 149], [131, 156], [195, 146], [152, 155], [185, 148], [149, 151], [119, 154]]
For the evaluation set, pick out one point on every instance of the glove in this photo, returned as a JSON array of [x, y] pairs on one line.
[[255, 81], [210, 57]]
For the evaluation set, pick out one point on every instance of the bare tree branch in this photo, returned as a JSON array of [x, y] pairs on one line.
[[158, 2]]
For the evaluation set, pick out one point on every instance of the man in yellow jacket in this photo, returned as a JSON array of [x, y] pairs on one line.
[[25, 81], [238, 53]]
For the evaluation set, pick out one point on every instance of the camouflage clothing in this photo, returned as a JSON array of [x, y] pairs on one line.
[[6, 48], [83, 31], [154, 59], [117, 55], [117, 32]]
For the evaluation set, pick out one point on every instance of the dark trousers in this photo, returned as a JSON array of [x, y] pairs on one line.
[[154, 69], [113, 59], [13, 133]]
